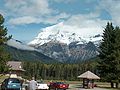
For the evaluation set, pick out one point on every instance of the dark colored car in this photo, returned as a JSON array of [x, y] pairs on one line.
[[58, 85], [11, 84]]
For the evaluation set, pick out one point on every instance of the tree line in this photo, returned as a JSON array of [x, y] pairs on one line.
[[57, 71]]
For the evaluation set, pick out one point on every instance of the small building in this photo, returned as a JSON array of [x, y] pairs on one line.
[[15, 67], [88, 79]]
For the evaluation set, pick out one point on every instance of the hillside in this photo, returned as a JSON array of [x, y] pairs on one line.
[[26, 55]]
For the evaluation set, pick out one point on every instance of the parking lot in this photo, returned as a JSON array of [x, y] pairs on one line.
[[76, 87]]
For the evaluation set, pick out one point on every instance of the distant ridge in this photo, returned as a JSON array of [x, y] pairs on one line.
[[26, 55]]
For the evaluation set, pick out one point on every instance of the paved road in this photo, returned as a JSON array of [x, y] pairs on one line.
[[87, 89], [78, 87]]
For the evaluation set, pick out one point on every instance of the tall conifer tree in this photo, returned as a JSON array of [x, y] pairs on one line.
[[3, 39], [109, 55]]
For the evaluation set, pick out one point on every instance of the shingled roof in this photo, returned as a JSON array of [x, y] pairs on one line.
[[15, 65], [89, 75]]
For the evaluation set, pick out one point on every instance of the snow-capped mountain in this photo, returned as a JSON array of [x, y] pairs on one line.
[[59, 42], [63, 34], [66, 44]]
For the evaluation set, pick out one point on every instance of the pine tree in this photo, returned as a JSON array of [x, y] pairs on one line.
[[116, 55], [109, 55], [3, 39]]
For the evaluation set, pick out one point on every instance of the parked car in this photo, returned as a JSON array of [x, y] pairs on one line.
[[58, 85], [11, 84], [42, 86]]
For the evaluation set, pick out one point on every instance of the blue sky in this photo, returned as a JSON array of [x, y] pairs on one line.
[[25, 18]]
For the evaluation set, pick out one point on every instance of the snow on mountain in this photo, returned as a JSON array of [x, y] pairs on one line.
[[65, 34], [19, 45]]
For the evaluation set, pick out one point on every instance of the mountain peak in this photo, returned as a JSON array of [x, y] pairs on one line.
[[62, 33]]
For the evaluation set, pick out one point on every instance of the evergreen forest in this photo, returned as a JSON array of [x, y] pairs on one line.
[[58, 71]]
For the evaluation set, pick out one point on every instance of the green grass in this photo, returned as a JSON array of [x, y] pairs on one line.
[[2, 77]]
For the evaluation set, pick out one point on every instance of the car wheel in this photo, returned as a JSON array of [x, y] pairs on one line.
[[59, 89], [20, 88]]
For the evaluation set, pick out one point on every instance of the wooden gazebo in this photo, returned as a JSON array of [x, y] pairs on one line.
[[88, 79]]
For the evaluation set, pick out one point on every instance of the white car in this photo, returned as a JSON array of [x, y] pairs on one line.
[[41, 85]]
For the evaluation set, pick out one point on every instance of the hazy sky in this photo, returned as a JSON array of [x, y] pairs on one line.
[[25, 18]]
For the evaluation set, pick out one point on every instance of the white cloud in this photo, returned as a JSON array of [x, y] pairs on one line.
[[39, 11], [82, 20], [86, 24], [13, 6], [31, 19], [18, 45], [23, 20], [113, 7], [65, 1], [55, 19], [32, 11], [2, 12], [28, 7]]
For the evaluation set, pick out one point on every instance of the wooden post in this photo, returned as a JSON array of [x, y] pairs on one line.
[[83, 82], [92, 83]]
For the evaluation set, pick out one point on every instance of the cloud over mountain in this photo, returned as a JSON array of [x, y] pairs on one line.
[[19, 45]]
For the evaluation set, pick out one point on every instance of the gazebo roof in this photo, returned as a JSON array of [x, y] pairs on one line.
[[89, 75]]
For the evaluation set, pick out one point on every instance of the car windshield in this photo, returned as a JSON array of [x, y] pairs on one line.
[[40, 82], [59, 83], [14, 80]]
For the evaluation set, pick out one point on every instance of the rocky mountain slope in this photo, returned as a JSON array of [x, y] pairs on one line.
[[69, 53]]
